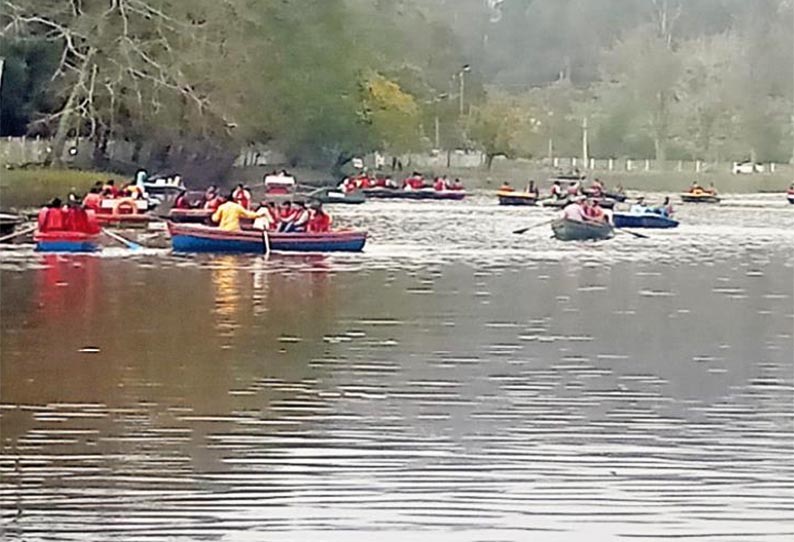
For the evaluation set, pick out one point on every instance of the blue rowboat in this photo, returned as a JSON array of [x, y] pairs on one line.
[[66, 241], [200, 238], [644, 220], [573, 230]]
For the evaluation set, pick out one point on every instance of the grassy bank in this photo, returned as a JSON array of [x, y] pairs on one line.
[[656, 181], [20, 188]]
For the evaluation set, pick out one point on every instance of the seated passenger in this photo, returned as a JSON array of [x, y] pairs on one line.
[[93, 200], [301, 218], [505, 187], [242, 196], [182, 201], [51, 217], [110, 190], [286, 217], [439, 184], [639, 208], [456, 185], [320, 221]]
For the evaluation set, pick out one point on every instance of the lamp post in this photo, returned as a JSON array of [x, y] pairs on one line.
[[465, 68], [436, 123]]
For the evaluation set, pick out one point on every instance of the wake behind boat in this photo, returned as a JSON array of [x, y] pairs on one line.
[[200, 238]]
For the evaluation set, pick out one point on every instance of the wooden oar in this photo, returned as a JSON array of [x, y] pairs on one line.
[[634, 233], [20, 233], [266, 241], [123, 240], [533, 226]]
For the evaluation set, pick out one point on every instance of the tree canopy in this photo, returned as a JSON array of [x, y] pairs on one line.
[[323, 80]]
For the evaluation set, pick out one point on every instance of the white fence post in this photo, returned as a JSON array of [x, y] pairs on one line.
[[697, 166], [628, 164], [611, 164], [647, 165]]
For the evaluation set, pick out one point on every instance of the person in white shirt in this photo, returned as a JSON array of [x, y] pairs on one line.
[[639, 208], [575, 210]]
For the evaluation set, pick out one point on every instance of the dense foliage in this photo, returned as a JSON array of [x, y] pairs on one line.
[[323, 80]]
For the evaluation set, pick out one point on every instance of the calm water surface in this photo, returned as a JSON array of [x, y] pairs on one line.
[[453, 383]]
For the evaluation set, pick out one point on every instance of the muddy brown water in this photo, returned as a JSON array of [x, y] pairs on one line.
[[454, 382]]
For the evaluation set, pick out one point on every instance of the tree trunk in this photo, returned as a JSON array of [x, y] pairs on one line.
[[55, 159]]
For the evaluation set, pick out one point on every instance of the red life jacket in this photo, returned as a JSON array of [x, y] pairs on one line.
[[92, 201], [51, 219], [181, 202], [243, 197], [320, 223], [439, 184]]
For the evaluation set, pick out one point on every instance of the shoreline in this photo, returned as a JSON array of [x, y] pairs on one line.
[[32, 187]]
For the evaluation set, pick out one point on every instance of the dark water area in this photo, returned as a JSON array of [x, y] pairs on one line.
[[452, 383]]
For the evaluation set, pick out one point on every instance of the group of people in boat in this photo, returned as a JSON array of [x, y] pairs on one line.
[[288, 217], [416, 181], [531, 188], [696, 190], [212, 198], [108, 190], [584, 209], [597, 189], [56, 216]]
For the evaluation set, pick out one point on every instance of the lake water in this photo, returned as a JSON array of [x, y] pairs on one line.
[[455, 382]]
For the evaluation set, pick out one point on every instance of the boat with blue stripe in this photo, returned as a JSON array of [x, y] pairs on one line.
[[643, 220], [66, 241], [200, 238]]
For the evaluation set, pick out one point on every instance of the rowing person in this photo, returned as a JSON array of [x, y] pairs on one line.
[[228, 215], [575, 210]]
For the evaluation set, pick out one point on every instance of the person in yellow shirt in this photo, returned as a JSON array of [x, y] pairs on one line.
[[228, 215]]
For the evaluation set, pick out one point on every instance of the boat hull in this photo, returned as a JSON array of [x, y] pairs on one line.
[[66, 242], [790, 197], [572, 230], [646, 220], [196, 238], [517, 198], [695, 198], [190, 216], [424, 194], [331, 196]]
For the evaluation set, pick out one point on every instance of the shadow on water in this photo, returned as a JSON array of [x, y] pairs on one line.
[[445, 386]]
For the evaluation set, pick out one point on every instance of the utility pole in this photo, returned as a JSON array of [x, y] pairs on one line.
[[585, 148], [438, 135], [465, 68]]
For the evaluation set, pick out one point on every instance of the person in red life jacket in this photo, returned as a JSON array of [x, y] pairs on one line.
[[286, 217], [506, 187], [456, 185], [414, 182], [242, 196], [302, 217], [209, 195], [182, 202], [573, 188], [110, 190], [365, 182], [439, 184], [77, 219], [51, 217], [92, 200], [213, 199], [320, 221]]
